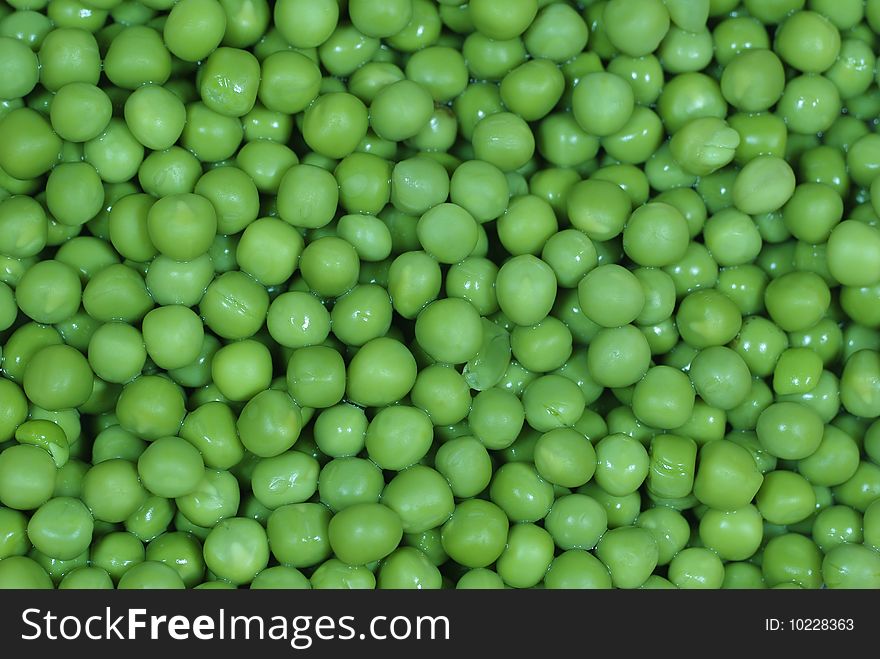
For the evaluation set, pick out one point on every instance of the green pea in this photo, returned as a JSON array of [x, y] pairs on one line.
[[792, 558], [708, 318], [672, 466], [622, 464], [136, 56], [151, 406], [398, 436], [58, 377], [112, 490], [49, 292], [151, 519], [382, 372], [209, 135], [618, 357], [155, 116], [270, 423], [194, 28], [466, 464], [23, 572], [291, 477], [236, 550], [476, 534], [727, 476], [503, 139], [721, 377], [850, 566], [696, 567], [347, 481], [630, 553], [421, 497], [180, 551], [364, 533], [799, 27], [785, 498], [171, 467], [861, 489], [732, 237]]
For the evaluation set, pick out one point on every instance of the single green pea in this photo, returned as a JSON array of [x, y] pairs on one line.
[[672, 465], [382, 372], [837, 525], [23, 572], [171, 467], [49, 292], [137, 55], [270, 423], [630, 553], [696, 567], [346, 481], [408, 568], [466, 464], [503, 139], [194, 28], [727, 476], [618, 357], [291, 477], [151, 519], [792, 558], [785, 498], [803, 26], [61, 528], [476, 534], [850, 566], [398, 436], [58, 377], [543, 347], [526, 225], [733, 534], [112, 490], [708, 318], [180, 551], [421, 497], [236, 550], [861, 489], [721, 377], [364, 533], [622, 464], [151, 406]]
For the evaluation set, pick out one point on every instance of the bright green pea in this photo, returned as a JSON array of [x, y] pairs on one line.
[[209, 135], [663, 398], [270, 423], [708, 318], [421, 497], [306, 24], [112, 490], [171, 467], [398, 436], [721, 377], [364, 533], [805, 27], [611, 296], [466, 464], [861, 489], [476, 534], [850, 566], [764, 184], [622, 464], [180, 551], [727, 476], [58, 377], [852, 247], [137, 56], [151, 406], [785, 498], [630, 553], [23, 572], [236, 550], [347, 481], [49, 292], [618, 357], [792, 558], [503, 139], [194, 28], [696, 567]]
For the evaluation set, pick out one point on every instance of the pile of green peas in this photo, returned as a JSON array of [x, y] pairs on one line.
[[439, 293]]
